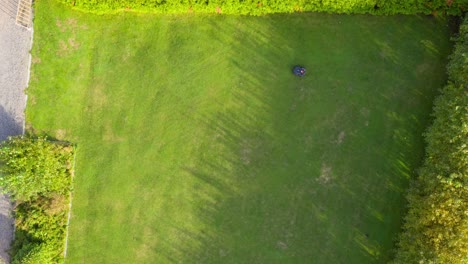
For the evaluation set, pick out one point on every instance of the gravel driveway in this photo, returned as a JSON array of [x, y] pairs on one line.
[[15, 44]]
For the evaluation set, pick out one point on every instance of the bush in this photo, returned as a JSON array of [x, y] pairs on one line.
[[436, 227], [260, 7], [34, 167], [40, 230], [38, 174], [36, 253]]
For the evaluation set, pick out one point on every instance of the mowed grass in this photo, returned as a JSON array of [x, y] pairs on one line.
[[196, 144]]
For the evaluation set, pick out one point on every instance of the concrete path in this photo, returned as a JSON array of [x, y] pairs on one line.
[[15, 44]]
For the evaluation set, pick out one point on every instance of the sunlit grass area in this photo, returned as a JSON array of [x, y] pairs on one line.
[[196, 143]]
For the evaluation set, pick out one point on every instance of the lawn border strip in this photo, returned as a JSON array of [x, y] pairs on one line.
[[75, 150], [28, 78]]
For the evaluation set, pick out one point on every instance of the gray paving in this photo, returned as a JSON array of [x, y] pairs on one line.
[[15, 44]]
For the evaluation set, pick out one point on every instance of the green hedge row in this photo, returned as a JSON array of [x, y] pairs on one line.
[[260, 7], [37, 174], [436, 227]]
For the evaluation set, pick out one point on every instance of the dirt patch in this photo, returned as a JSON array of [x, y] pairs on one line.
[[60, 134], [325, 174], [252, 150], [246, 151], [73, 43], [65, 25], [143, 251], [246, 154], [293, 107], [63, 48], [68, 44], [341, 137], [281, 245], [147, 247], [36, 60], [423, 68], [32, 100], [70, 24], [308, 140], [60, 25], [364, 112], [126, 55], [67, 47], [110, 136], [98, 94]]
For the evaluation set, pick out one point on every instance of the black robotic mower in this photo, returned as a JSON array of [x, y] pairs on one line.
[[299, 71]]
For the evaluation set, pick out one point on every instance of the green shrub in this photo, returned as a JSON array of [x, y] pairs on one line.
[[36, 253], [37, 173], [49, 218], [260, 7], [436, 227], [40, 230], [34, 167]]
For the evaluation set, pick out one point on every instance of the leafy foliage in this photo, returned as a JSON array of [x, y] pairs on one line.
[[34, 167], [259, 7], [40, 230], [37, 173], [36, 253], [436, 227]]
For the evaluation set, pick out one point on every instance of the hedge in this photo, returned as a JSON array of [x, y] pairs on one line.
[[436, 226], [261, 7], [37, 173]]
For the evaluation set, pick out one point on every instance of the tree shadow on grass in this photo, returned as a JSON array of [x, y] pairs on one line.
[[295, 170], [307, 170]]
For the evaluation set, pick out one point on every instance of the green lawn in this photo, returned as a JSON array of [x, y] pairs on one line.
[[196, 144]]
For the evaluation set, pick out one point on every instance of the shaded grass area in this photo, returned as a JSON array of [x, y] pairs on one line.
[[197, 144]]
